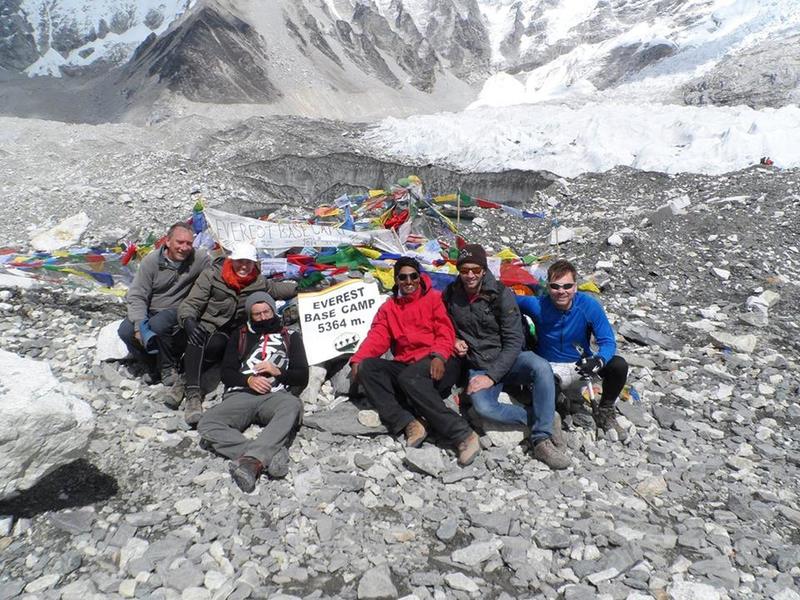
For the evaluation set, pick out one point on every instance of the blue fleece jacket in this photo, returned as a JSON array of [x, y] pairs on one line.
[[560, 330]]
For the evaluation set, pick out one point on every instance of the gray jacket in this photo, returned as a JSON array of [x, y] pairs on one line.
[[490, 325], [159, 285]]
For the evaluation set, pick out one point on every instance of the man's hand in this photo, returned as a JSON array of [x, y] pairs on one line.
[[195, 334], [268, 368], [461, 348], [478, 383], [138, 336], [437, 368], [259, 384], [354, 372], [589, 367]]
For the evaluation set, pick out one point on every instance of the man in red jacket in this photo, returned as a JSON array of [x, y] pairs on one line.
[[414, 325]]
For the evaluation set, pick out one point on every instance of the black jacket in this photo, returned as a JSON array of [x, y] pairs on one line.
[[245, 347], [490, 325]]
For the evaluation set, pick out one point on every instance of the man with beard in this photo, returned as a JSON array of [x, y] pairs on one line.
[[164, 279], [262, 360], [489, 338]]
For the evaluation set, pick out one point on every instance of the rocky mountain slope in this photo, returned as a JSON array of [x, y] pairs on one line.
[[358, 59]]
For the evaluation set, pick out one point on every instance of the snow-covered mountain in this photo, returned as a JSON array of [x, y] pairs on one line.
[[316, 56]]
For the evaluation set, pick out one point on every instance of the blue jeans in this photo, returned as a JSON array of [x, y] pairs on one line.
[[528, 369]]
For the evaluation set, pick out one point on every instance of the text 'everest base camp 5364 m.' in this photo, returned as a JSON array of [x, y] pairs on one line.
[[420, 299]]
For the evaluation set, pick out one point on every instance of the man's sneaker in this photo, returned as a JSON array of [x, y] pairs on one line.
[[558, 433], [415, 433], [174, 396], [605, 417], [169, 376], [278, 466], [193, 411], [245, 471], [468, 449], [546, 452]]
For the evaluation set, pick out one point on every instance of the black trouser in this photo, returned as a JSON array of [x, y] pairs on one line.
[[199, 358], [401, 392], [614, 376]]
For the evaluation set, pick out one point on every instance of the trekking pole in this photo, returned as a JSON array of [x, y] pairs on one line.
[[587, 379]]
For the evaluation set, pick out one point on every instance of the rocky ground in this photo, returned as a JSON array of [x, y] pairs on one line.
[[701, 281]]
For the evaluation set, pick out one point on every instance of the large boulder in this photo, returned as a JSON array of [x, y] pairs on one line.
[[42, 425]]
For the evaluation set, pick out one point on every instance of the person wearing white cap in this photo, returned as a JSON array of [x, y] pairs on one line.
[[213, 309]]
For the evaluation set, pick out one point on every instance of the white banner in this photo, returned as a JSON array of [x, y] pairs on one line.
[[336, 320], [229, 229]]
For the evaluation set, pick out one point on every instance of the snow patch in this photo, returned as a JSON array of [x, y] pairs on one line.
[[595, 137]]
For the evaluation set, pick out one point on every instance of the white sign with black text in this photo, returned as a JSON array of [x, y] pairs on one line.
[[336, 320]]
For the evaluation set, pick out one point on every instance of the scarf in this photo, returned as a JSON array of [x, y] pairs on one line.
[[234, 281]]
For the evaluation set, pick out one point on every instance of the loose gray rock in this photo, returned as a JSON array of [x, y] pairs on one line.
[[377, 583]]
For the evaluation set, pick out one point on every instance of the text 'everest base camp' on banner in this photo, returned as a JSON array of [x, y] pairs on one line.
[[336, 320], [229, 229]]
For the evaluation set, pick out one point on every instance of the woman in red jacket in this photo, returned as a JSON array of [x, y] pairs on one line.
[[414, 325]]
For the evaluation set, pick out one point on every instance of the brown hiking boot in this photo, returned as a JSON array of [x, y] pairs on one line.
[[193, 411], [606, 419], [245, 471], [415, 433], [468, 449], [558, 433], [546, 452], [174, 396]]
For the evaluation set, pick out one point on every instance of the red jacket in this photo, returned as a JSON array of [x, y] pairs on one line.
[[413, 327]]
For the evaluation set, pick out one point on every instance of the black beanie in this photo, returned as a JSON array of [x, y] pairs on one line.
[[406, 261], [472, 253]]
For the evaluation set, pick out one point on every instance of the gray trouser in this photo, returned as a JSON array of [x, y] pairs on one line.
[[222, 426]]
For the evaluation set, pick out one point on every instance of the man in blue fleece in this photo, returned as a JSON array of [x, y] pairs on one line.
[[565, 321]]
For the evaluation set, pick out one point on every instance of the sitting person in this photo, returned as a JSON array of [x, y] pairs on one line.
[[261, 360], [164, 278], [489, 338], [565, 321], [213, 310], [407, 389]]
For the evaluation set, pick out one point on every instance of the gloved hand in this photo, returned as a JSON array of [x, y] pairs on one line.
[[195, 334], [589, 367]]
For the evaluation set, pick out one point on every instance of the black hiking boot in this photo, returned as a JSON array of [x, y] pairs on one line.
[[605, 417]]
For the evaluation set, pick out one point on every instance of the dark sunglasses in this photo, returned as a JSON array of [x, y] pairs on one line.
[[407, 276], [562, 286], [473, 270]]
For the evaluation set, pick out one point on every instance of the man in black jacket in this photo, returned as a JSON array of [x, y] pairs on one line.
[[261, 361], [489, 337]]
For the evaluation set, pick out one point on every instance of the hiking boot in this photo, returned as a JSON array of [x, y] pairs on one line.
[[558, 433], [605, 417], [245, 471], [151, 377], [193, 411], [546, 452], [278, 467], [415, 433], [468, 449], [169, 376], [174, 396]]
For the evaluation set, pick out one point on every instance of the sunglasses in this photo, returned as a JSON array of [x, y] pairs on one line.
[[468, 270], [407, 276], [562, 286]]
